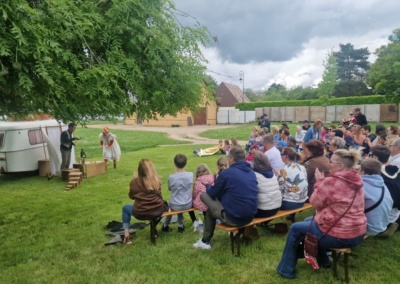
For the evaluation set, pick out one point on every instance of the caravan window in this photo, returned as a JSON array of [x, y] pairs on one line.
[[35, 136], [1, 140]]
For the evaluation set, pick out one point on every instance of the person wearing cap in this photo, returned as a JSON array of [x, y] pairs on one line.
[[265, 122], [361, 119], [66, 140], [111, 149]]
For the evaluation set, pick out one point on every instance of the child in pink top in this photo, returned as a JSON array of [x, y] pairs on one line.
[[203, 176]]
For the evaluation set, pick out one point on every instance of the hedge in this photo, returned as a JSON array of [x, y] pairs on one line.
[[366, 100]]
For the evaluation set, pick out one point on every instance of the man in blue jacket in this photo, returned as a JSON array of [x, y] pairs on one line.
[[232, 199]]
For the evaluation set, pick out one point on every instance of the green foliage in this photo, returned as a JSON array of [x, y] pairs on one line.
[[329, 78], [351, 88], [384, 75], [352, 64], [377, 99], [74, 59]]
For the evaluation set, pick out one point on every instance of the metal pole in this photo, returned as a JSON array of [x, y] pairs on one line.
[[241, 79]]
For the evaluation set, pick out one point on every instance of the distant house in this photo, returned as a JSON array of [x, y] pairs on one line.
[[228, 95], [207, 115]]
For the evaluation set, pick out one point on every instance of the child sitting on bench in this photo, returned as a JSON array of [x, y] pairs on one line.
[[180, 184]]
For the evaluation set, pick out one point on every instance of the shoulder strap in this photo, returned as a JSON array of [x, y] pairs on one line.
[[377, 203], [338, 218]]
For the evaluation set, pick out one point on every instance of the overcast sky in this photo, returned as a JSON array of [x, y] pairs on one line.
[[286, 41]]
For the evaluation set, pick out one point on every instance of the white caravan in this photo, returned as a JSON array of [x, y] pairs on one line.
[[24, 143]]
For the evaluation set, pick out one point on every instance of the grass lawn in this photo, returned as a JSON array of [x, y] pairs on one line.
[[52, 236]]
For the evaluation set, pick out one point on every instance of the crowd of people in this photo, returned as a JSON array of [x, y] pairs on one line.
[[348, 174]]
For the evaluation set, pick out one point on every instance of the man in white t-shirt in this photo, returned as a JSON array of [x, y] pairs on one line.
[[272, 153]]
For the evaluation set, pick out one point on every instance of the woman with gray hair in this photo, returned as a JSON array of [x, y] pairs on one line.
[[269, 195]]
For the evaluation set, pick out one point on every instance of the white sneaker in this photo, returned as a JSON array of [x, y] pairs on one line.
[[200, 244], [195, 225]]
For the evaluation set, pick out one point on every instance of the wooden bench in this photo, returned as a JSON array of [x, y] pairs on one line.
[[336, 253], [236, 232], [154, 222]]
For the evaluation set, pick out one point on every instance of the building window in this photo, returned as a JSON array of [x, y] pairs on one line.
[[35, 136]]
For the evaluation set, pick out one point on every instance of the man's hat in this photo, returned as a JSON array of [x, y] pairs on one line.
[[305, 121]]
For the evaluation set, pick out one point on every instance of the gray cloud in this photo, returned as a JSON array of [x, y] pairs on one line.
[[291, 33], [262, 30]]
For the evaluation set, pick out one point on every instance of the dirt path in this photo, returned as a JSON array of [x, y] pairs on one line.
[[189, 134]]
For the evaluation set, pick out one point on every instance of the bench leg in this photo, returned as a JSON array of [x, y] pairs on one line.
[[346, 267], [153, 231], [335, 257], [237, 240], [232, 242]]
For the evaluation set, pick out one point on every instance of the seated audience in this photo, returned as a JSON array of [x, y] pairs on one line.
[[314, 132], [275, 133], [351, 120], [232, 199], [292, 180], [300, 134], [339, 220], [203, 176], [273, 154], [180, 184], [225, 149], [377, 200], [145, 189], [334, 144], [394, 146], [250, 154], [222, 164], [391, 177], [269, 196], [392, 130], [358, 137], [314, 153]]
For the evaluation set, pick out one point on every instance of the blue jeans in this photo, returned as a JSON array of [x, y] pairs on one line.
[[126, 216], [287, 205], [286, 267]]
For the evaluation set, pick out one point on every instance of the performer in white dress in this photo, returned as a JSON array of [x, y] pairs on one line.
[[111, 150]]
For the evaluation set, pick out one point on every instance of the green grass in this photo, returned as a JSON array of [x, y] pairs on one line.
[[52, 236]]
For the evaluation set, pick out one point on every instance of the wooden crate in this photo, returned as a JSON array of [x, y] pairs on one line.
[[95, 168], [44, 168], [65, 173]]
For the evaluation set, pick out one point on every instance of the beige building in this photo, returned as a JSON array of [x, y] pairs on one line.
[[207, 115]]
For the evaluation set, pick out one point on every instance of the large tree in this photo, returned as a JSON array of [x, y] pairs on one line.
[[384, 75], [352, 64], [329, 78], [73, 59]]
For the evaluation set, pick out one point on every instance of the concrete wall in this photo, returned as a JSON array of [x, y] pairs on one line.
[[230, 115], [311, 113]]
